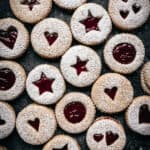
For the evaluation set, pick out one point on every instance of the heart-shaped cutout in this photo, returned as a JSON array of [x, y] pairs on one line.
[[144, 114], [2, 122], [136, 8], [51, 37], [111, 92], [111, 137], [124, 13], [9, 36], [65, 147], [98, 137], [35, 123]]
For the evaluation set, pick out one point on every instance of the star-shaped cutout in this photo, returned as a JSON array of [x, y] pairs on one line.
[[44, 84], [30, 3], [91, 22], [63, 148], [80, 66]]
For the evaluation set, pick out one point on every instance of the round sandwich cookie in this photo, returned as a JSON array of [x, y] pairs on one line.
[[80, 66], [67, 4], [51, 38], [62, 142], [145, 77], [45, 84], [91, 24], [106, 133], [36, 124], [12, 80], [112, 93], [124, 53], [14, 38], [129, 14], [31, 11], [138, 115], [75, 112], [7, 120]]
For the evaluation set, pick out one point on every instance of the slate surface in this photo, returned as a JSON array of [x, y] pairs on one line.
[[30, 60]]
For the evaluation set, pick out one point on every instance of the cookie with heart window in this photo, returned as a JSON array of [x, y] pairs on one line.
[[145, 77], [91, 24], [7, 120], [112, 93], [62, 142], [67, 4], [124, 53], [138, 115], [12, 80], [80, 66], [14, 38], [75, 112], [30, 11], [129, 14], [106, 133], [51, 38], [45, 84], [36, 124]]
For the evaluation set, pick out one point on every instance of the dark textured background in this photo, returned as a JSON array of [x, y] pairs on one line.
[[30, 60]]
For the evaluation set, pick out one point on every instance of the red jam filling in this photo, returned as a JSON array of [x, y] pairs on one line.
[[51, 37], [136, 8], [124, 13], [7, 79], [111, 92], [98, 137], [124, 53], [75, 112], [9, 37], [111, 137], [35, 124]]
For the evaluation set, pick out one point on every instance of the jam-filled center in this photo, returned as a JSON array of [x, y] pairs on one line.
[[111, 92], [44, 84], [9, 37], [30, 3], [144, 114], [124, 53], [98, 137], [35, 123], [91, 22], [51, 37], [75, 112], [111, 137], [7, 79]]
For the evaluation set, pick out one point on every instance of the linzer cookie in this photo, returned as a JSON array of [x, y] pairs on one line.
[[138, 115], [112, 93], [80, 66], [14, 38], [129, 14], [91, 24], [67, 4], [51, 38], [124, 53], [45, 84], [12, 80], [145, 78], [106, 134], [62, 142], [75, 112], [36, 124], [31, 11], [7, 120]]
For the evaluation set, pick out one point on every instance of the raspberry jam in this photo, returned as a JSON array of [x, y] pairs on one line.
[[144, 114], [124, 13], [98, 137], [51, 37], [75, 112], [111, 137], [111, 92], [91, 22], [7, 79], [35, 124], [9, 37], [124, 53]]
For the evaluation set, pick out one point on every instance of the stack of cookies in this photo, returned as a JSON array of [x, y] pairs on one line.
[[52, 104]]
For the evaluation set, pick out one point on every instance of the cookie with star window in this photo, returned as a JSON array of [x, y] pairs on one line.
[[62, 142], [36, 124], [91, 24], [31, 11], [45, 84], [51, 38], [80, 66]]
